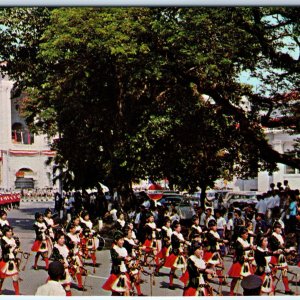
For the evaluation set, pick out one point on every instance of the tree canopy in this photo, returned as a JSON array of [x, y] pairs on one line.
[[155, 92]]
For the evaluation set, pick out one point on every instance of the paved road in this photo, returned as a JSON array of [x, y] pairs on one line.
[[22, 221]]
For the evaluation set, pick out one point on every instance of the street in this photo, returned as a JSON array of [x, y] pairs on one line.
[[22, 221]]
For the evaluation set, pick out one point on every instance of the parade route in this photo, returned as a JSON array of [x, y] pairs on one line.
[[22, 220]]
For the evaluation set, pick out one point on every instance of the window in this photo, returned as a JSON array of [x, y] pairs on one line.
[[20, 135]]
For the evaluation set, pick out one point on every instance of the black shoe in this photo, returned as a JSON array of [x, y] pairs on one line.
[[82, 289], [141, 295], [289, 292], [171, 287], [156, 273], [34, 268]]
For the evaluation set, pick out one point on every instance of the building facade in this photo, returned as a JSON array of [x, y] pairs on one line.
[[282, 142], [23, 155]]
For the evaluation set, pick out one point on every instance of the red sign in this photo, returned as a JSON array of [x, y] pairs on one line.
[[155, 192]]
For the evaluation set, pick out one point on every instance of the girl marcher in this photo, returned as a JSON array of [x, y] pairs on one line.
[[277, 245], [241, 266], [42, 243], [176, 259], [134, 265], [196, 230], [151, 244], [166, 233], [3, 220], [195, 277], [88, 239], [9, 264], [119, 281], [61, 253], [76, 268], [50, 222], [212, 254], [263, 257]]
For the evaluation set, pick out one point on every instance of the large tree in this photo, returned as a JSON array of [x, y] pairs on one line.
[[127, 89]]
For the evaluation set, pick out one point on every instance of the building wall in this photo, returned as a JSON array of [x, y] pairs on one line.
[[281, 142], [10, 163]]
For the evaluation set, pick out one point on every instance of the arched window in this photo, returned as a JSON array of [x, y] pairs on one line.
[[24, 179]]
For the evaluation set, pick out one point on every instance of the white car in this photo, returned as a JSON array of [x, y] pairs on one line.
[[241, 198], [211, 194]]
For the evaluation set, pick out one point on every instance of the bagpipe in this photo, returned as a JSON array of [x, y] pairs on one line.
[[134, 266], [24, 255], [74, 267]]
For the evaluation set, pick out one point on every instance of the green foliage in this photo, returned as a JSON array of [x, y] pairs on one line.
[[124, 88]]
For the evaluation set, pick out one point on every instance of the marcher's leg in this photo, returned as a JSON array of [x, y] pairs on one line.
[[171, 277], [46, 259], [1, 283], [36, 260], [15, 279], [79, 281], [285, 281], [232, 286], [138, 288], [93, 257], [68, 290]]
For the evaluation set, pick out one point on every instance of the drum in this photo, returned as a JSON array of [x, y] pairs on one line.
[[100, 242]]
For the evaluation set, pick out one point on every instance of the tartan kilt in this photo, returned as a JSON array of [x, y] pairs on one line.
[[267, 287], [190, 291], [163, 253], [148, 246], [41, 246], [172, 261], [208, 258], [111, 283], [236, 270], [8, 269], [184, 278], [274, 260]]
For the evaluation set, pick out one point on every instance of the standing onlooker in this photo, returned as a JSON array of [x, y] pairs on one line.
[[286, 185], [57, 202], [221, 228], [292, 212], [53, 287], [209, 216], [261, 205]]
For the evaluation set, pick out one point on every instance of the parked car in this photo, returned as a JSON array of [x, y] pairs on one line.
[[211, 194], [170, 197], [240, 199], [185, 209]]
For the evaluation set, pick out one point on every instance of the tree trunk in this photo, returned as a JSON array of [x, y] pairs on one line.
[[203, 195]]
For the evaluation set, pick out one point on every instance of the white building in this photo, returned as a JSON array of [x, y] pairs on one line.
[[282, 142], [22, 155]]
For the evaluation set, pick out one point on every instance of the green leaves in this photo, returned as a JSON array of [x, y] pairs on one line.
[[125, 88]]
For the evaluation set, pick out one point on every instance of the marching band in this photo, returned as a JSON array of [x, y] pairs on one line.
[[197, 253]]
